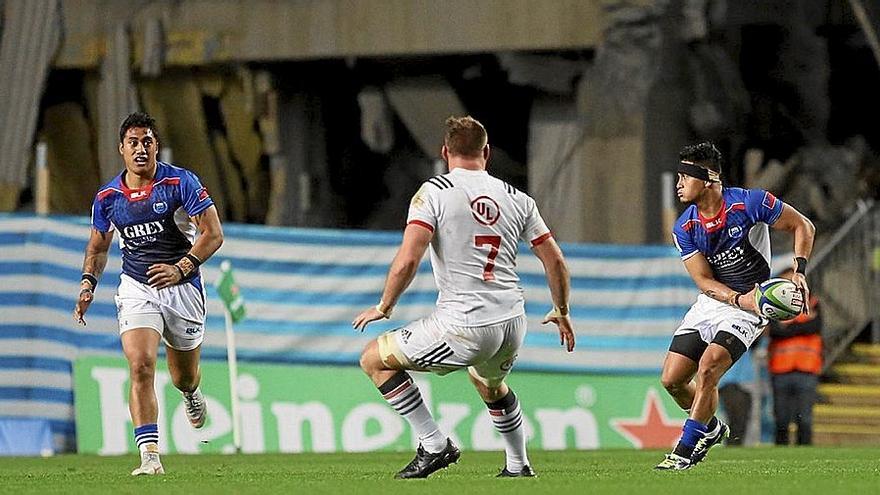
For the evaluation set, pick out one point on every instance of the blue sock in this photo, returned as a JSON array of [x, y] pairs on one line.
[[146, 434], [692, 432]]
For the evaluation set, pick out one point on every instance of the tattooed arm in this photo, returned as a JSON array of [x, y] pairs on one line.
[[210, 234], [804, 232], [94, 263], [210, 239], [700, 271]]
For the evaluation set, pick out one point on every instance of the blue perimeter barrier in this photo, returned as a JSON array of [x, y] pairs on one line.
[[302, 288]]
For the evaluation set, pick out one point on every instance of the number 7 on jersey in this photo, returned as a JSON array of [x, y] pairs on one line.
[[494, 242]]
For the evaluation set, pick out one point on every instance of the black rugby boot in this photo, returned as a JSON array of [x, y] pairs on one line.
[[425, 463], [526, 472]]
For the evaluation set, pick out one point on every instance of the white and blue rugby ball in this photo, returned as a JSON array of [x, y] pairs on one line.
[[779, 299]]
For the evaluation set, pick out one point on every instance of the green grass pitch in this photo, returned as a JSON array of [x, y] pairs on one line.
[[768, 470]]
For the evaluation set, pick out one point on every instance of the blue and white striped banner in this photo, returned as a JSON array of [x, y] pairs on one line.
[[302, 288]]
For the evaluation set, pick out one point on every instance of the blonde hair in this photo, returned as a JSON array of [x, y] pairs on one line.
[[465, 136]]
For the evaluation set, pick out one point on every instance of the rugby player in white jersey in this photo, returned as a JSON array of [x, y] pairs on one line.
[[473, 223], [157, 209]]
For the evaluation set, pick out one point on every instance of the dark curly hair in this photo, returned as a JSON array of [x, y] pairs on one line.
[[138, 119], [703, 154]]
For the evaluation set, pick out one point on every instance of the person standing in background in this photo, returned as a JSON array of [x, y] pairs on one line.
[[795, 362]]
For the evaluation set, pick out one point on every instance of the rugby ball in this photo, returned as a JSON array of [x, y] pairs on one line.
[[779, 299]]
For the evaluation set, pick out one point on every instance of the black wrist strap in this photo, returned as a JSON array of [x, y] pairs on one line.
[[90, 279], [801, 265], [180, 271], [195, 260]]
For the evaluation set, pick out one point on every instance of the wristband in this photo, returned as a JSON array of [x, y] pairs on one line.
[[801, 265], [194, 259], [180, 271], [558, 311], [733, 300], [386, 313], [187, 265], [88, 277]]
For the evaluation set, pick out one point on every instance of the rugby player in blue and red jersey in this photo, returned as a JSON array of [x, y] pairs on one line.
[[724, 242], [157, 209]]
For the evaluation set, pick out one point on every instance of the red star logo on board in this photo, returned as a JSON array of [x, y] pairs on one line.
[[654, 430]]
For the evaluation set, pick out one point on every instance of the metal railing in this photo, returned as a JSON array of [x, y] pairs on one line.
[[845, 275]]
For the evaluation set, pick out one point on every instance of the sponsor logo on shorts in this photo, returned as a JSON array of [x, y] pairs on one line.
[[160, 207], [193, 330], [405, 334], [740, 330]]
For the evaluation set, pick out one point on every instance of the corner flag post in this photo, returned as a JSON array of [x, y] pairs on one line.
[[234, 311]]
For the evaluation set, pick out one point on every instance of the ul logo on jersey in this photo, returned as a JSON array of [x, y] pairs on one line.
[[485, 210]]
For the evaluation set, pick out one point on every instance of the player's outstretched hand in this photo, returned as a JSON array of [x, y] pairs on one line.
[[162, 275], [566, 333], [367, 316], [801, 281], [82, 305]]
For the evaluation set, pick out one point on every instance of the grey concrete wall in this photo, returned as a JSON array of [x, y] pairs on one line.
[[203, 31]]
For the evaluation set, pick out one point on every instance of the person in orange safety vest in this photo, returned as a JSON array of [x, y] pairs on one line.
[[795, 362]]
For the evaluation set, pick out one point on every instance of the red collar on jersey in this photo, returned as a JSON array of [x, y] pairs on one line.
[[717, 222], [138, 193], [141, 193]]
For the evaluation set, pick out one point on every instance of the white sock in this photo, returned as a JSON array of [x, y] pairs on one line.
[[507, 417], [152, 448], [404, 396], [146, 437]]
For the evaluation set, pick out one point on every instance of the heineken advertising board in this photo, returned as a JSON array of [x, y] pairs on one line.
[[337, 409]]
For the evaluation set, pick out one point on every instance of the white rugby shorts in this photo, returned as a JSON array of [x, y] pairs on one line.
[[431, 344], [176, 312], [708, 317]]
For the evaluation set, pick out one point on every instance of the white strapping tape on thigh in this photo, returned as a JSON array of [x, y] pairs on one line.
[[388, 347], [473, 372]]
